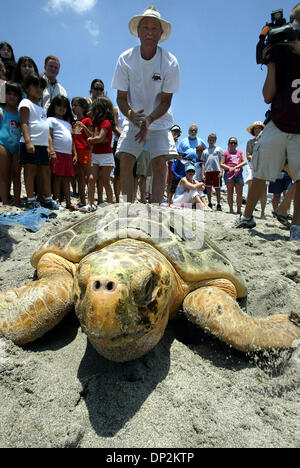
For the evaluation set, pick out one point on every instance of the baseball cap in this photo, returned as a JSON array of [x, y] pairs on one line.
[[176, 127]]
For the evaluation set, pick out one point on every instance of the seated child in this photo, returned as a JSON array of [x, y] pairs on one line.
[[190, 191]]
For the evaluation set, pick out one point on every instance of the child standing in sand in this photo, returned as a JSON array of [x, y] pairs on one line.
[[10, 133], [82, 130], [34, 143], [211, 170], [62, 147], [103, 119]]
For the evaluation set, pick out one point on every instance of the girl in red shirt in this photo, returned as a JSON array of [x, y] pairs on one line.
[[82, 130], [102, 116]]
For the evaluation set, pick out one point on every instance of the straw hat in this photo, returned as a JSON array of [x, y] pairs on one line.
[[258, 123], [150, 12]]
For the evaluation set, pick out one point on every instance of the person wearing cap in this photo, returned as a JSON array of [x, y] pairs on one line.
[[146, 77], [190, 191], [171, 181], [280, 140], [176, 132], [255, 130]]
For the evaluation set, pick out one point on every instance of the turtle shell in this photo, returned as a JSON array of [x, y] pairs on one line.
[[177, 234]]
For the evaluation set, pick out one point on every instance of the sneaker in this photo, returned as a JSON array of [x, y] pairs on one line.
[[210, 205], [51, 204], [219, 208], [31, 205], [88, 208], [295, 233], [244, 223]]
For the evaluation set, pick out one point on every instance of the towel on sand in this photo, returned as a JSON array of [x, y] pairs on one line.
[[33, 220]]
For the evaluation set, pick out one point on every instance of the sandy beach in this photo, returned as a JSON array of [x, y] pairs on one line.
[[191, 391]]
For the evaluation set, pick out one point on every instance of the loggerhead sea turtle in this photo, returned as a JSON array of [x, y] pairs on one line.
[[127, 269]]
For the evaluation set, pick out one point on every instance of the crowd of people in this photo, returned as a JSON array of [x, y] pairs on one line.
[[45, 127], [88, 142], [57, 142]]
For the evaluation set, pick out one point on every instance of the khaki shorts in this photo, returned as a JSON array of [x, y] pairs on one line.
[[159, 143], [143, 164], [271, 152]]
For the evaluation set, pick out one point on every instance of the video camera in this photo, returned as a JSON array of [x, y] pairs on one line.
[[276, 35]]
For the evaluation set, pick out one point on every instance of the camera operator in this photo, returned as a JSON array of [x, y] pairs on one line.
[[279, 143]]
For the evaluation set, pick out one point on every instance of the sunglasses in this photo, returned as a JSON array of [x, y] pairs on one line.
[[98, 89], [233, 142]]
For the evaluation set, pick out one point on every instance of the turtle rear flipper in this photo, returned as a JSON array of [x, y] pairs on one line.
[[28, 312], [215, 311]]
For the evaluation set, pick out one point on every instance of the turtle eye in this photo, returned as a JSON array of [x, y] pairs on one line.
[[143, 288], [149, 286], [83, 277]]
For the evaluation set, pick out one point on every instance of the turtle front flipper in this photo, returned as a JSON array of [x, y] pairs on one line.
[[215, 311], [28, 312]]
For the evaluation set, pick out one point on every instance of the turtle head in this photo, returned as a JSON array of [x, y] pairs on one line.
[[122, 298]]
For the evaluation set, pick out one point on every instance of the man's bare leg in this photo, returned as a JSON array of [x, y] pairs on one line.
[[159, 169], [126, 175], [296, 217], [255, 193]]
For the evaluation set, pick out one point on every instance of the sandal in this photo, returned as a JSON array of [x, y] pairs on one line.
[[72, 207]]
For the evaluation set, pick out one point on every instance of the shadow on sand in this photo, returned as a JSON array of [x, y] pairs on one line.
[[6, 242], [114, 392]]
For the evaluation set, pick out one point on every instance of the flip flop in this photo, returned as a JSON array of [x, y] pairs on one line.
[[72, 207]]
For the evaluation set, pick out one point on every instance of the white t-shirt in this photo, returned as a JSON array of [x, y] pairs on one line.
[[211, 157], [62, 135], [145, 80], [51, 91], [37, 123]]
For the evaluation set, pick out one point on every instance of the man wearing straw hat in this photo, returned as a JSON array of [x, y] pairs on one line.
[[146, 78]]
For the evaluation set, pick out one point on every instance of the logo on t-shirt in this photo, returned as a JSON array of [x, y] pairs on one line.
[[15, 128], [14, 124], [156, 77]]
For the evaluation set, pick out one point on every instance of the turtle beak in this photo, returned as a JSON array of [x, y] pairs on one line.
[[121, 322], [98, 311]]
